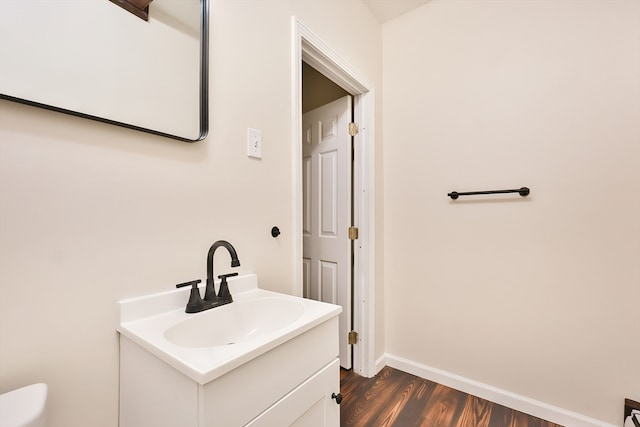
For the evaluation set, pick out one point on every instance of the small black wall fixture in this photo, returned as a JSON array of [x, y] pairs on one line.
[[523, 191]]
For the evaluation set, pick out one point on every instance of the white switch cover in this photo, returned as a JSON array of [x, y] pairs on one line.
[[254, 143]]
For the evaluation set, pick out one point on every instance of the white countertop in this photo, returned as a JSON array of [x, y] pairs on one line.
[[145, 319]]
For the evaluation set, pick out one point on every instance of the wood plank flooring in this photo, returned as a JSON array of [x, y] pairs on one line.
[[396, 398]]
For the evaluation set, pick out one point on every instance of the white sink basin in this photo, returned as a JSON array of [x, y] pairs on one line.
[[206, 345], [236, 322]]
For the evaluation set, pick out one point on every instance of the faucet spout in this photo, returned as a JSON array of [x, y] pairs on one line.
[[210, 293]]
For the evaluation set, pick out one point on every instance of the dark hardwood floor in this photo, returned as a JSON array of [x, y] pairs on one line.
[[396, 398]]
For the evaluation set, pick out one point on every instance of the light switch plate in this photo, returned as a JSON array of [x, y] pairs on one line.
[[254, 143]]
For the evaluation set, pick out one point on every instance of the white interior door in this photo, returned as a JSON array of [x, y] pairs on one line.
[[326, 210]]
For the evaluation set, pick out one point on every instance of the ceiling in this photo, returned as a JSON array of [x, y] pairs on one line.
[[386, 10]]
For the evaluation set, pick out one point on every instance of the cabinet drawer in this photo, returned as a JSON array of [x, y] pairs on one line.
[[310, 404]]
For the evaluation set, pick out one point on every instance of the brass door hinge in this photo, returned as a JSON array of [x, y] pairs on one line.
[[353, 337], [353, 233], [353, 129]]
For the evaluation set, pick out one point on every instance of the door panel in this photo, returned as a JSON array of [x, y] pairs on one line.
[[328, 205], [329, 282], [326, 184], [306, 199]]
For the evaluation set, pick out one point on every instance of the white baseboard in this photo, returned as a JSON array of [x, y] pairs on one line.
[[493, 394]]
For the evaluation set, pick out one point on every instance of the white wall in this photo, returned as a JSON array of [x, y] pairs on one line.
[[92, 213], [539, 295]]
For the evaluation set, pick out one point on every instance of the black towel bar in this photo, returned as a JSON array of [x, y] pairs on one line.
[[523, 191]]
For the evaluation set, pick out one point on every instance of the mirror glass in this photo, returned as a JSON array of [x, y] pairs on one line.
[[97, 60]]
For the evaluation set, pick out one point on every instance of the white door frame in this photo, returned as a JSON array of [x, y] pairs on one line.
[[309, 48]]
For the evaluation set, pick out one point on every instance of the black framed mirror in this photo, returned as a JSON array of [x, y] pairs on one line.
[[96, 60]]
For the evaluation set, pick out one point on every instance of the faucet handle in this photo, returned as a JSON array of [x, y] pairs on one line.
[[195, 303], [192, 283], [223, 293]]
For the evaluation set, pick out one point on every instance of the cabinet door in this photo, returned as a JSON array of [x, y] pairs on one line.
[[152, 393], [308, 405]]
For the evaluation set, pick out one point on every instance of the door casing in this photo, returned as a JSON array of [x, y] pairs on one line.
[[308, 47]]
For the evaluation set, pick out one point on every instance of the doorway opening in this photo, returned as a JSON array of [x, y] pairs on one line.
[[310, 49]]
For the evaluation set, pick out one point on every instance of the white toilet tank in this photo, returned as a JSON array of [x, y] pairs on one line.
[[24, 407]]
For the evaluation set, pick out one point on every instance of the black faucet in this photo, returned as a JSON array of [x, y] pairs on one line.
[[210, 292], [197, 304]]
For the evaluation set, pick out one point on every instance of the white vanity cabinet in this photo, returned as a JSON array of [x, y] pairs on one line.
[[290, 384]]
